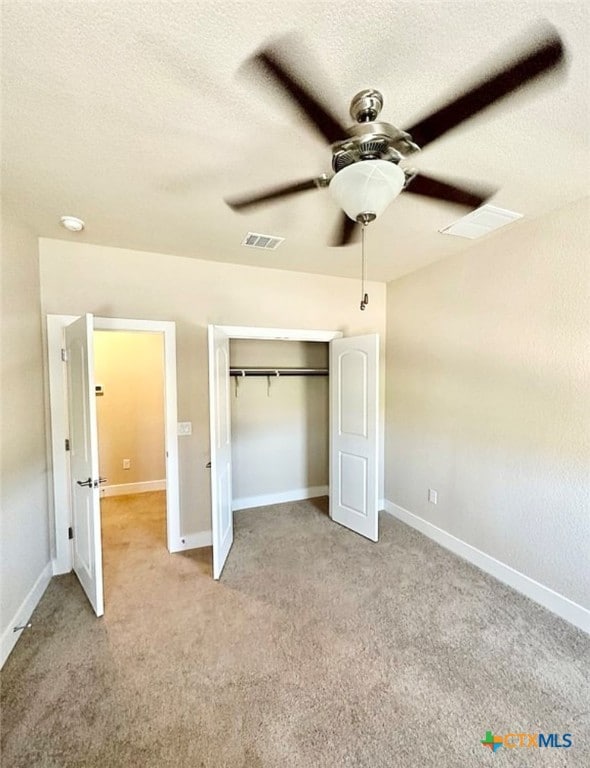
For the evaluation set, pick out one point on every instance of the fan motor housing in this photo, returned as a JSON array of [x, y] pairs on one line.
[[372, 141]]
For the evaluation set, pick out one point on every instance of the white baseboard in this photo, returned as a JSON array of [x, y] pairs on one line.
[[548, 598], [126, 488], [193, 541], [23, 614], [266, 499], [57, 568]]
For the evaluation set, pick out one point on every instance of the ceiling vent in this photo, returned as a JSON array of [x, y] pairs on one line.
[[267, 242], [481, 222]]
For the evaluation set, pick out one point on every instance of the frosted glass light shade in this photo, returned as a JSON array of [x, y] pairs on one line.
[[367, 187]]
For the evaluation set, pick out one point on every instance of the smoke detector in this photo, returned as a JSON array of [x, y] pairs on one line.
[[72, 223]]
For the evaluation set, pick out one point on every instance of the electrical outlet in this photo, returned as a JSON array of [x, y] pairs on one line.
[[185, 428], [126, 463], [432, 496]]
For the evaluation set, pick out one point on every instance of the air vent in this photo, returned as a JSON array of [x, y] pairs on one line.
[[480, 222], [267, 242]]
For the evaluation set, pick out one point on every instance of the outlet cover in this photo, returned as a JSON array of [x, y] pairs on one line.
[[126, 463], [185, 428], [432, 496]]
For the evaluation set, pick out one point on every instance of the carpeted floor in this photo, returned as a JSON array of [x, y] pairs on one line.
[[317, 649]]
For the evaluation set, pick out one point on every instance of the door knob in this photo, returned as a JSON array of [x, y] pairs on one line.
[[85, 483], [102, 480]]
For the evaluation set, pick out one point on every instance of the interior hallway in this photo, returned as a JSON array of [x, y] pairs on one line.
[[318, 649], [133, 529]]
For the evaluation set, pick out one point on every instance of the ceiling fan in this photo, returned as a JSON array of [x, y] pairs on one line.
[[367, 171]]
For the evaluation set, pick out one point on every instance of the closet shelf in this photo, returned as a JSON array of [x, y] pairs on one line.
[[278, 372]]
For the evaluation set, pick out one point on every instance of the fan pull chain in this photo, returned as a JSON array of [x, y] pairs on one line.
[[364, 296]]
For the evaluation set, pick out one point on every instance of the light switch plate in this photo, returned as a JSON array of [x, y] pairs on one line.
[[185, 428]]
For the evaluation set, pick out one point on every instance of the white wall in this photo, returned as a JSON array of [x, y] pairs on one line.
[[115, 282], [24, 527], [279, 433], [130, 413], [488, 399]]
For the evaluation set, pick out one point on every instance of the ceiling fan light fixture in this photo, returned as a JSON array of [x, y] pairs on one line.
[[367, 187]]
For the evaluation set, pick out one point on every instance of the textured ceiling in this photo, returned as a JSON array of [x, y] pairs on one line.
[[136, 117]]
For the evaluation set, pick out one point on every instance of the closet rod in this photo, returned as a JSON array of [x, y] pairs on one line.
[[278, 372]]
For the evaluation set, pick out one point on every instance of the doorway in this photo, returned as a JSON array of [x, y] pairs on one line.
[[279, 421], [353, 429], [129, 384], [58, 372]]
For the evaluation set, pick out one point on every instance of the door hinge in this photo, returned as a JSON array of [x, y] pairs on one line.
[[67, 441], [70, 532], [64, 355]]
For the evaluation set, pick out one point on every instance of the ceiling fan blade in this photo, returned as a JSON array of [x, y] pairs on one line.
[[442, 190], [514, 75], [347, 231], [319, 115], [239, 203]]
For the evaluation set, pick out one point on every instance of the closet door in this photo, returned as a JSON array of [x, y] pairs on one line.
[[354, 433], [222, 522]]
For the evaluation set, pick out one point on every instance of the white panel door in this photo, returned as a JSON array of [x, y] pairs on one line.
[[87, 545], [222, 520], [354, 433]]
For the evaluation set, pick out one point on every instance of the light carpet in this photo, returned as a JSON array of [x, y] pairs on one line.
[[317, 649]]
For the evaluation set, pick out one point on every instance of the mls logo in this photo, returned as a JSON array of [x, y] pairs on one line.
[[526, 740], [492, 742]]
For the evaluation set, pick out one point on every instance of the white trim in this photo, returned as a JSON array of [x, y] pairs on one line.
[[58, 415], [23, 614], [548, 598], [124, 489], [267, 499], [168, 329], [58, 410], [195, 541], [284, 334], [125, 324]]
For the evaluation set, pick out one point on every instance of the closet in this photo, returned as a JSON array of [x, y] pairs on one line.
[[286, 425], [279, 403]]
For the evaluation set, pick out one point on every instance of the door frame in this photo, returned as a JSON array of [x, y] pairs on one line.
[[277, 334], [249, 332], [59, 428]]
